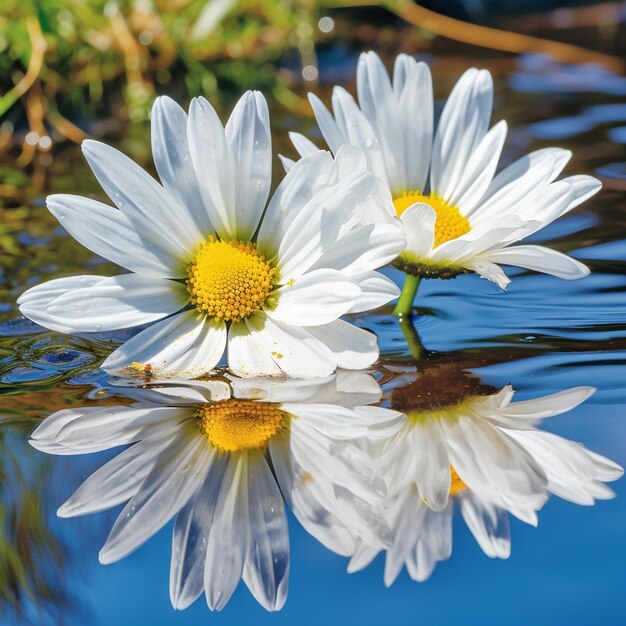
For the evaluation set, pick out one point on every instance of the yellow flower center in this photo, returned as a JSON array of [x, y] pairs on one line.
[[236, 425], [449, 223], [456, 484], [229, 280]]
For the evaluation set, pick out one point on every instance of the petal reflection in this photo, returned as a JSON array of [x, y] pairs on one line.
[[466, 446], [222, 456]]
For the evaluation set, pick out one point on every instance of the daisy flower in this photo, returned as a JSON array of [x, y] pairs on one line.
[[458, 215], [214, 265], [484, 455], [222, 457]]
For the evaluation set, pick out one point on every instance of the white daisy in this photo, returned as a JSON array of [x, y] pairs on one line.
[[423, 537], [457, 216], [217, 267], [222, 457], [484, 455]]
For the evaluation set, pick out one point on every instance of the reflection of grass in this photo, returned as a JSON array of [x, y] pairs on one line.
[[31, 559]]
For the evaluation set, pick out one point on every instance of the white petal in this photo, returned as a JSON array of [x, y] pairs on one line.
[[266, 570], [584, 187], [531, 411], [107, 232], [229, 537], [281, 389], [490, 271], [178, 472], [358, 131], [373, 85], [489, 525], [541, 208], [379, 104], [407, 516], [250, 144], [331, 214], [538, 167], [309, 500], [483, 238], [490, 463], [170, 151], [286, 162], [171, 394], [181, 345], [518, 183], [302, 144], [317, 297], [344, 464], [191, 532], [432, 465], [434, 544], [350, 159], [118, 302], [348, 482], [603, 468], [346, 388], [49, 428], [491, 404], [34, 302], [416, 106], [150, 208], [539, 259], [479, 170], [247, 353], [296, 352], [341, 423], [419, 224], [118, 480], [327, 125], [402, 68], [302, 183], [99, 428], [570, 468], [376, 291], [362, 557], [462, 126], [378, 207], [382, 423], [366, 248], [352, 347], [213, 165]]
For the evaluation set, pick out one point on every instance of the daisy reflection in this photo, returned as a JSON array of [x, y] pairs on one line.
[[223, 456], [478, 450]]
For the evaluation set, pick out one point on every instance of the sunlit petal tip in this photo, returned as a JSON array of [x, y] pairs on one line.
[[89, 145], [286, 162], [65, 510], [41, 445], [585, 391], [159, 104], [106, 558]]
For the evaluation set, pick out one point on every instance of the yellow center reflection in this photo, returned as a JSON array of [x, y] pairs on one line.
[[456, 484], [229, 280], [449, 223], [237, 425]]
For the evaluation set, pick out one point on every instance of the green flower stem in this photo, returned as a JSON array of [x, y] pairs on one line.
[[405, 301], [410, 335]]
